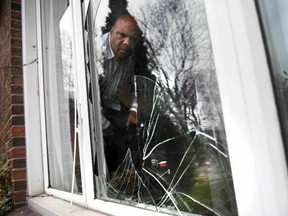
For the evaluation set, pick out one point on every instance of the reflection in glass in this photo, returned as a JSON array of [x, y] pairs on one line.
[[175, 159], [62, 142], [273, 15], [182, 171]]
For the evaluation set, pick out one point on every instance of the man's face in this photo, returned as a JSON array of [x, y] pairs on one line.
[[124, 37]]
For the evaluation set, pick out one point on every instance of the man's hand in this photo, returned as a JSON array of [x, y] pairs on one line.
[[132, 118]]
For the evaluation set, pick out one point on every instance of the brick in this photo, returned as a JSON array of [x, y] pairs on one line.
[[17, 99], [16, 6], [16, 15], [16, 89], [17, 152], [16, 24], [16, 60], [18, 141], [16, 71], [19, 196], [16, 51], [17, 163], [15, 42], [12, 131], [17, 80], [16, 1], [19, 185], [17, 174], [18, 120], [18, 131], [20, 204], [17, 109], [16, 33]]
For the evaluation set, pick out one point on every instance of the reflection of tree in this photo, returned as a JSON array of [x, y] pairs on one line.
[[66, 53], [283, 81], [179, 53], [194, 167], [118, 8], [281, 84]]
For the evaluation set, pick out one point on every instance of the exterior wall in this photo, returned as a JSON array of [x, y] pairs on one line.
[[12, 130]]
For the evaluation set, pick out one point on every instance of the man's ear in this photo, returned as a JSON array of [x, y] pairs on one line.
[[112, 30]]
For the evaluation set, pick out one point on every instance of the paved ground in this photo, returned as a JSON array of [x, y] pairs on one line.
[[24, 211]]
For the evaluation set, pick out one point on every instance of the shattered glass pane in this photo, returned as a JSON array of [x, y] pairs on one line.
[[178, 171], [175, 158]]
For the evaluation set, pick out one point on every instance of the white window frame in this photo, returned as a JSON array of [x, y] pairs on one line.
[[83, 132], [253, 133], [35, 179], [252, 127]]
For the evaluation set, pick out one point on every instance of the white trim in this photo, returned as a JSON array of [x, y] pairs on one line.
[[42, 95], [31, 100], [82, 106], [66, 195], [48, 205], [253, 133], [78, 199], [111, 208]]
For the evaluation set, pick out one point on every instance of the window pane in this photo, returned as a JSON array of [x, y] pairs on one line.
[[59, 73], [274, 18], [174, 158]]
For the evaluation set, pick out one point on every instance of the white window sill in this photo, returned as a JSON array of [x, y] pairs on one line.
[[49, 205]]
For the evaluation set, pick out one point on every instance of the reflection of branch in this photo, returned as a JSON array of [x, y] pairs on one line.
[[200, 203], [283, 80], [20, 66], [285, 76], [173, 53], [152, 58], [172, 198]]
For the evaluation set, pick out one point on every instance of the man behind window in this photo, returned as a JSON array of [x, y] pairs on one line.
[[116, 81]]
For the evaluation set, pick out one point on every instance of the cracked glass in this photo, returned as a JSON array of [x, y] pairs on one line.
[[157, 129]]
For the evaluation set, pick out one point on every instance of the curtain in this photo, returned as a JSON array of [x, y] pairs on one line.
[[59, 92]]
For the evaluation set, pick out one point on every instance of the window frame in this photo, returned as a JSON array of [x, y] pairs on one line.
[[73, 198], [238, 51], [236, 37]]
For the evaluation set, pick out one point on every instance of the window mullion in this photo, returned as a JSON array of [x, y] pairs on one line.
[[81, 94]]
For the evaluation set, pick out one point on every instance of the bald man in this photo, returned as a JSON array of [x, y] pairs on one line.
[[124, 36], [116, 81]]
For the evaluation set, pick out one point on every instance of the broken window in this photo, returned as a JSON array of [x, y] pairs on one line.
[[174, 158]]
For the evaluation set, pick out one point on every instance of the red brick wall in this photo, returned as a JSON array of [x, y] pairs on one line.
[[12, 130]]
